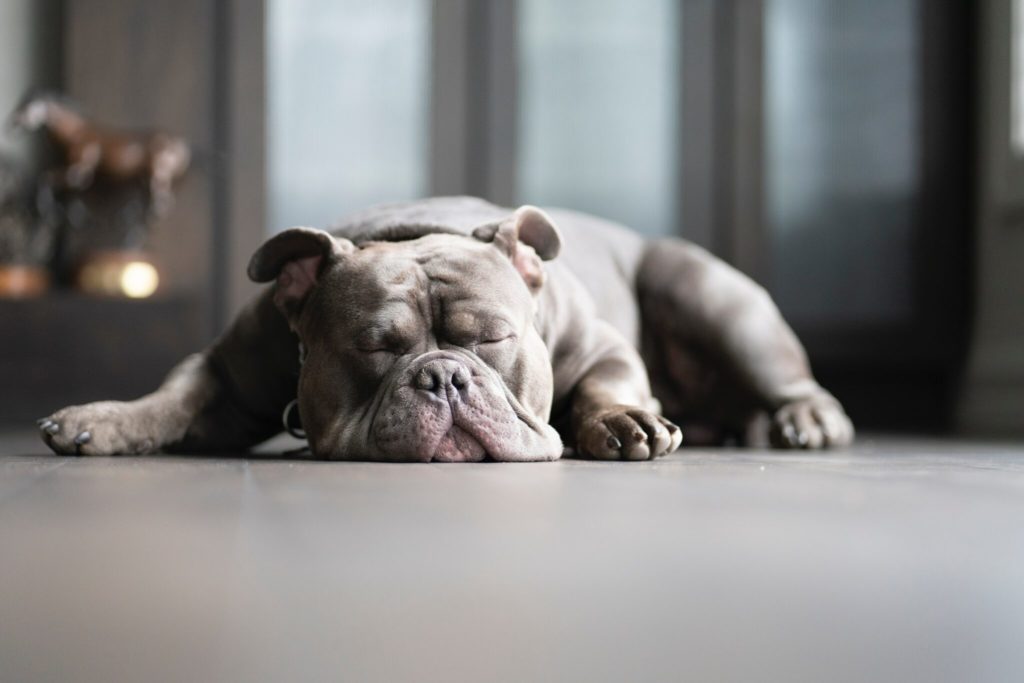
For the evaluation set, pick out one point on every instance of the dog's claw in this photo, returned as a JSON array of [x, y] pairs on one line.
[[83, 438], [789, 434], [51, 428], [42, 421], [614, 443]]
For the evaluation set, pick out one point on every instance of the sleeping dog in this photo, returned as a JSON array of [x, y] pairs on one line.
[[451, 329]]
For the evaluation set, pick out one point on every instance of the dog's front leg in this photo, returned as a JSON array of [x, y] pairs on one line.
[[144, 425], [614, 416]]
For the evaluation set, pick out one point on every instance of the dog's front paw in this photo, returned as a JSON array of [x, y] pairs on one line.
[[104, 428], [626, 433], [815, 422]]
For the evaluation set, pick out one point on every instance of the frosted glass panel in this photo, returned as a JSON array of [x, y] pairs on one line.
[[598, 86], [347, 106], [842, 98]]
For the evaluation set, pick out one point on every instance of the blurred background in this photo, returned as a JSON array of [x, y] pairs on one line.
[[860, 158]]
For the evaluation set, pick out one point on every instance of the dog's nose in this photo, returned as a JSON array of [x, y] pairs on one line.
[[437, 375]]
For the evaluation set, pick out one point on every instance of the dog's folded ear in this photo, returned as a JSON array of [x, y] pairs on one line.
[[529, 236], [295, 259]]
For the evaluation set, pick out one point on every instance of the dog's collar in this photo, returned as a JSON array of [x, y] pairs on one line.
[[293, 425], [290, 417]]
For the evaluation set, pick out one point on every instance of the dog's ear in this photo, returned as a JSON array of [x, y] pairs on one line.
[[295, 259], [528, 237]]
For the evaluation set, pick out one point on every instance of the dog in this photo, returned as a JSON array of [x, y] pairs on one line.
[[454, 330]]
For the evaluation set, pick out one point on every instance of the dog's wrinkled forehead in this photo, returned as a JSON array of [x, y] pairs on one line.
[[429, 275]]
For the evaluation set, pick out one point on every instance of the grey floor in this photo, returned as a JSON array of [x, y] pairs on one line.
[[901, 560]]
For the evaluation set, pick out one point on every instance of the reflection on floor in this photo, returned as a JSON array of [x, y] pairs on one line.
[[900, 560]]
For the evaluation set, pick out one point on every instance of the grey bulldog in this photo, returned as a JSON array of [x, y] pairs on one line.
[[447, 330]]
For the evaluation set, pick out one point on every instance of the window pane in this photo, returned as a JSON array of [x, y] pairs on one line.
[[347, 106], [842, 97], [598, 89]]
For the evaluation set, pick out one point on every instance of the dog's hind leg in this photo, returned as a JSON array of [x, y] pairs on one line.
[[714, 326]]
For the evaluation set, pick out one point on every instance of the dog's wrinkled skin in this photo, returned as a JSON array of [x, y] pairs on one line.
[[447, 330]]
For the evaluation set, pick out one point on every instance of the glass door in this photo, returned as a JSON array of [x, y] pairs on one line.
[[868, 184], [348, 89], [843, 98], [598, 109]]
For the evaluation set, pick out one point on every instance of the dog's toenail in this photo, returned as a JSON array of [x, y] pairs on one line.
[[83, 438], [614, 443], [52, 428]]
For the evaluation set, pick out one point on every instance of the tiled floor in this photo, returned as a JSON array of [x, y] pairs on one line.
[[901, 560]]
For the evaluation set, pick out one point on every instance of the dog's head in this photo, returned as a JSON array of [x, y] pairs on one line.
[[422, 349]]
